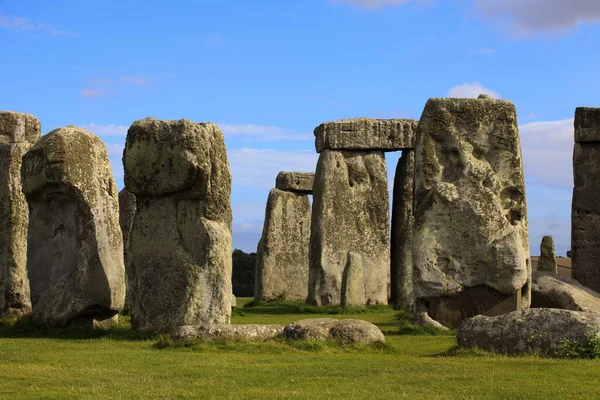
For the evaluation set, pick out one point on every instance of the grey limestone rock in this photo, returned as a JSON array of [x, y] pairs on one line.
[[295, 181], [547, 260], [536, 330], [365, 134], [470, 242], [350, 213], [353, 285], [236, 332], [282, 255], [179, 265], [346, 331], [550, 290], [74, 243], [18, 132]]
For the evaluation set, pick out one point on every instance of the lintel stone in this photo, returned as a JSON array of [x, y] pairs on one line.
[[295, 181], [587, 124]]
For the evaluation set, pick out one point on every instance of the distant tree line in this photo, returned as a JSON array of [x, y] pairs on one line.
[[243, 273]]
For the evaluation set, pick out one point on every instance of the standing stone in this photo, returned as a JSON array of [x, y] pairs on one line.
[[350, 213], [547, 260], [401, 268], [127, 206], [470, 243], [353, 285], [180, 245], [282, 255], [74, 244], [585, 207], [18, 132]]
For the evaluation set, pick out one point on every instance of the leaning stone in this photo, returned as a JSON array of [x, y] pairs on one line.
[[350, 213], [310, 329], [537, 330], [236, 332], [18, 132], [295, 181], [401, 269], [180, 248], [282, 254], [550, 290], [127, 206], [74, 244], [349, 331], [470, 241], [547, 260], [365, 134], [587, 124]]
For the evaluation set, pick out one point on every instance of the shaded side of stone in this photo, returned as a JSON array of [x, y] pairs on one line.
[[470, 216], [587, 124], [365, 134], [295, 181], [585, 215], [401, 268], [127, 206], [74, 242], [350, 213], [282, 256], [550, 290], [180, 250], [547, 260]]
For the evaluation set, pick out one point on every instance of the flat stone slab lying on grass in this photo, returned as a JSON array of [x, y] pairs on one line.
[[536, 330], [238, 332], [554, 291], [345, 331]]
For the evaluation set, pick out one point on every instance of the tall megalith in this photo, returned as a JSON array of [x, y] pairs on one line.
[[585, 206], [74, 243], [547, 260], [18, 132], [179, 266], [351, 210], [470, 243], [282, 255]]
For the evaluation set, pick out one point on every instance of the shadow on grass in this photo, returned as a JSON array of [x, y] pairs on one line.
[[280, 307]]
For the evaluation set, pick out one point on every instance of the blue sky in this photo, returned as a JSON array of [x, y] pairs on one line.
[[269, 71]]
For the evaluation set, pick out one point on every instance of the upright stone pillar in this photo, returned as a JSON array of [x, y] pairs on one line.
[[127, 206], [402, 231], [350, 239], [470, 243], [282, 255], [547, 260], [18, 132], [180, 246], [74, 243], [585, 207]]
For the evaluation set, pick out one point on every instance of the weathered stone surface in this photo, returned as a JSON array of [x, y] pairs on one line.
[[537, 330], [547, 260], [549, 290], [470, 243], [295, 181], [16, 127], [353, 285], [233, 301], [401, 269], [180, 245], [345, 331], [350, 213], [587, 124], [365, 134], [585, 207], [74, 243], [282, 255], [18, 132], [237, 332], [127, 206]]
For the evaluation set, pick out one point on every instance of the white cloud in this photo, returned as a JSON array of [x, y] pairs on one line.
[[21, 24], [106, 130], [548, 152], [471, 90], [94, 92], [527, 16], [98, 87], [254, 167], [261, 132]]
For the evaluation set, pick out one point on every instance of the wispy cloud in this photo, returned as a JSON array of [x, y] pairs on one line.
[[134, 80], [471, 90], [485, 51], [254, 132], [102, 86], [22, 24], [95, 92]]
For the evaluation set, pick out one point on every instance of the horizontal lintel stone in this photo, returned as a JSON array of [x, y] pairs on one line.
[[295, 181]]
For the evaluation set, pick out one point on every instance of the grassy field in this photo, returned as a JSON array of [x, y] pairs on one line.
[[119, 364]]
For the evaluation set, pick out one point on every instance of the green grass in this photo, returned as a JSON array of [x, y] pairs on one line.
[[43, 364]]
